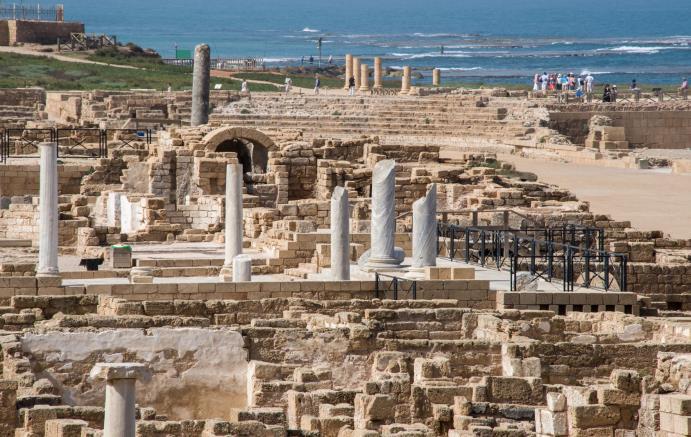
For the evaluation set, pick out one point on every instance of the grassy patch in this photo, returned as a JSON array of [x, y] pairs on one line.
[[21, 71]]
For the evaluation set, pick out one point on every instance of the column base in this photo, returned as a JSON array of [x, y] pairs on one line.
[[416, 273], [382, 264], [48, 274], [377, 87], [364, 90]]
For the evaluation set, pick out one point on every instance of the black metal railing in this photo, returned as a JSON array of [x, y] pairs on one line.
[[571, 254], [399, 287], [71, 142]]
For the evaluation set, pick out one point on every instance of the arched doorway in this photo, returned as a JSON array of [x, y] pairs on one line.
[[251, 146]]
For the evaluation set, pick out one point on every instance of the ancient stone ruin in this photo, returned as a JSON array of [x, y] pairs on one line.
[[328, 266]]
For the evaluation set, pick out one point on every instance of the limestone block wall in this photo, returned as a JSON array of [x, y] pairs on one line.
[[201, 213], [21, 180], [40, 32], [21, 96], [20, 222], [196, 372], [652, 129]]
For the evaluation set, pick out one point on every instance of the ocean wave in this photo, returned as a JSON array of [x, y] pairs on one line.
[[307, 29], [587, 72], [644, 50], [280, 60], [430, 55], [460, 68]]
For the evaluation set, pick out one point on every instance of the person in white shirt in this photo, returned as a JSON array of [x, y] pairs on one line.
[[288, 84], [589, 82], [544, 78]]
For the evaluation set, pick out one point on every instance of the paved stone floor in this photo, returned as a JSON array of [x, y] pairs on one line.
[[650, 199]]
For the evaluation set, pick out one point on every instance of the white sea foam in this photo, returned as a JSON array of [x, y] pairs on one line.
[[645, 50], [431, 55], [307, 29], [460, 68]]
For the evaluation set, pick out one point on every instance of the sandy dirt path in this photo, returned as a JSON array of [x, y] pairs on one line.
[[59, 57], [650, 199]]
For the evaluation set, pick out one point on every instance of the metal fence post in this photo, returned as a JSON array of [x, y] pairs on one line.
[[482, 248], [376, 285], [467, 245], [452, 242], [606, 272]]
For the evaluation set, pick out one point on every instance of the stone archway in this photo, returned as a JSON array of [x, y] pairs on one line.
[[251, 146]]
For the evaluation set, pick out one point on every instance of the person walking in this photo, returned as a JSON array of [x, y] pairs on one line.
[[351, 86], [536, 82], [607, 94], [317, 84], [288, 84], [544, 79], [331, 59], [589, 82], [684, 88], [245, 89]]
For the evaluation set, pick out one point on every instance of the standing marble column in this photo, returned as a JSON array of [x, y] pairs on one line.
[[356, 72], [201, 77], [383, 223], [436, 77], [340, 235], [377, 74], [364, 78], [48, 212], [242, 268], [120, 419], [425, 232], [348, 71], [405, 80], [233, 237]]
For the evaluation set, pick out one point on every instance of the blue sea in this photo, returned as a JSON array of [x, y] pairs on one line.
[[486, 41]]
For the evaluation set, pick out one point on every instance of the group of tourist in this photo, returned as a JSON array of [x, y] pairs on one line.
[[563, 82]]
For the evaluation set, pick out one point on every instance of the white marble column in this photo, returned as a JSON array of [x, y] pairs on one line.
[[436, 77], [348, 71], [48, 213], [356, 72], [424, 232], [242, 268], [340, 235], [201, 78], [383, 222], [364, 78], [234, 227], [405, 80], [120, 419], [377, 74]]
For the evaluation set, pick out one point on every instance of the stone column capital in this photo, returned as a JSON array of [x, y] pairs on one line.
[[114, 371]]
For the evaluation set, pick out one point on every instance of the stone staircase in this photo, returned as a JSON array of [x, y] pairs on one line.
[[15, 117], [327, 116]]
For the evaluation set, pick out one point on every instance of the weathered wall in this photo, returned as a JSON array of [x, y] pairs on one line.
[[196, 372], [22, 180], [654, 129], [39, 32], [21, 96]]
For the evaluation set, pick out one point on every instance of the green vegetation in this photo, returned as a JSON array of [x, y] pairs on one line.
[[51, 74]]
